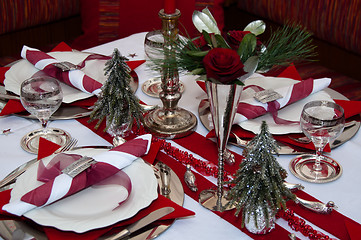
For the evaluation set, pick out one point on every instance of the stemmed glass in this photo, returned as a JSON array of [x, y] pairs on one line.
[[42, 96], [153, 45], [322, 122]]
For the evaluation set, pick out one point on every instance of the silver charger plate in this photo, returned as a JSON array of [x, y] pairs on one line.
[[347, 134], [11, 228], [30, 142]]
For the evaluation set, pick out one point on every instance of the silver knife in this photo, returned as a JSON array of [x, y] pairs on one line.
[[16, 173], [153, 216]]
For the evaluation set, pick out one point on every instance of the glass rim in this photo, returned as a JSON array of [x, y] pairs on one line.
[[40, 77], [324, 103]]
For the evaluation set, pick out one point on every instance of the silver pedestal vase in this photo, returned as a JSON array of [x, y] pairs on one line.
[[223, 100]]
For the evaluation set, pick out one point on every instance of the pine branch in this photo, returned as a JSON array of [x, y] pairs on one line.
[[287, 45]]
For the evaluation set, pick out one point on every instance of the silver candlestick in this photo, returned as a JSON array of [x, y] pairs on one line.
[[170, 121]]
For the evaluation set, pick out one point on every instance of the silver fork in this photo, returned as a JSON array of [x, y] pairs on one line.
[[21, 169], [68, 146]]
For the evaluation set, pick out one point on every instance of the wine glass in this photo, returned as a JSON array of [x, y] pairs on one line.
[[322, 122], [41, 96], [153, 48]]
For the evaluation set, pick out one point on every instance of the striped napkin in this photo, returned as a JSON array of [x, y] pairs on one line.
[[106, 165], [250, 108], [76, 77]]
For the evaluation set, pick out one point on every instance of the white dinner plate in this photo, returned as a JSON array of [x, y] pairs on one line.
[[23, 70], [291, 112], [94, 207]]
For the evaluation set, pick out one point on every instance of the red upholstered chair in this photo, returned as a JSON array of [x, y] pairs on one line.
[[107, 20]]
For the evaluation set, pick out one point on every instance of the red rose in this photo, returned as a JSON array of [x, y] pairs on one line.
[[234, 38], [201, 43], [223, 65]]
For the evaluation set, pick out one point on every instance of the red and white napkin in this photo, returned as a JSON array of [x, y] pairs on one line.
[[76, 78], [107, 164], [250, 108]]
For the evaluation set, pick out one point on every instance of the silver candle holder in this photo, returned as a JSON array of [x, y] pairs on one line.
[[170, 121]]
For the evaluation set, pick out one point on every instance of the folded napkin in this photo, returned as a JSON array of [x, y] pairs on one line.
[[250, 108], [11, 107], [46, 148], [46, 63], [107, 164], [285, 139], [74, 77]]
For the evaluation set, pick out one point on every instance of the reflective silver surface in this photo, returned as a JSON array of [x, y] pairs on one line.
[[223, 101], [190, 179], [30, 142], [170, 121], [317, 207], [302, 167]]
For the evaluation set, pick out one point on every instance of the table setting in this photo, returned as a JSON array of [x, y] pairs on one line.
[[168, 169]]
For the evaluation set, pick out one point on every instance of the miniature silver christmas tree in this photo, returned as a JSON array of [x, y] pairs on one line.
[[117, 102], [258, 189]]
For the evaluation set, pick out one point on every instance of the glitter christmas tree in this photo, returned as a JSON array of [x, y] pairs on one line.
[[257, 189]]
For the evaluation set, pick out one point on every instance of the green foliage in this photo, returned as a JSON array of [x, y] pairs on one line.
[[287, 45], [117, 101], [258, 183], [247, 47]]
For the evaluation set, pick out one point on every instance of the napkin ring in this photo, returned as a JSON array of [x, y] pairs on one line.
[[66, 66], [268, 95], [78, 166]]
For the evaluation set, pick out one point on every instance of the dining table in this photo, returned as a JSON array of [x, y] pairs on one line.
[[205, 224]]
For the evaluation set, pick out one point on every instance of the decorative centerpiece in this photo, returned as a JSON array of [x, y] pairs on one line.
[[224, 61], [258, 190], [117, 102]]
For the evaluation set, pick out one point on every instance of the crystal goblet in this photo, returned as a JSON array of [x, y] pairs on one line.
[[153, 48], [42, 96], [322, 122]]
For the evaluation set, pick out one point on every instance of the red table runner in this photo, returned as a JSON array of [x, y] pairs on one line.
[[334, 223]]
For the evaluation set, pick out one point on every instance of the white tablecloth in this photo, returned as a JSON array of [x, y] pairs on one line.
[[205, 225]]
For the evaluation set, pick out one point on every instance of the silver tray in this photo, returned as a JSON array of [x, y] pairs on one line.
[[30, 142], [10, 227], [301, 162], [347, 134]]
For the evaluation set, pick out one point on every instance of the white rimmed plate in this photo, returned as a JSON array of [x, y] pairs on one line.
[[94, 207]]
